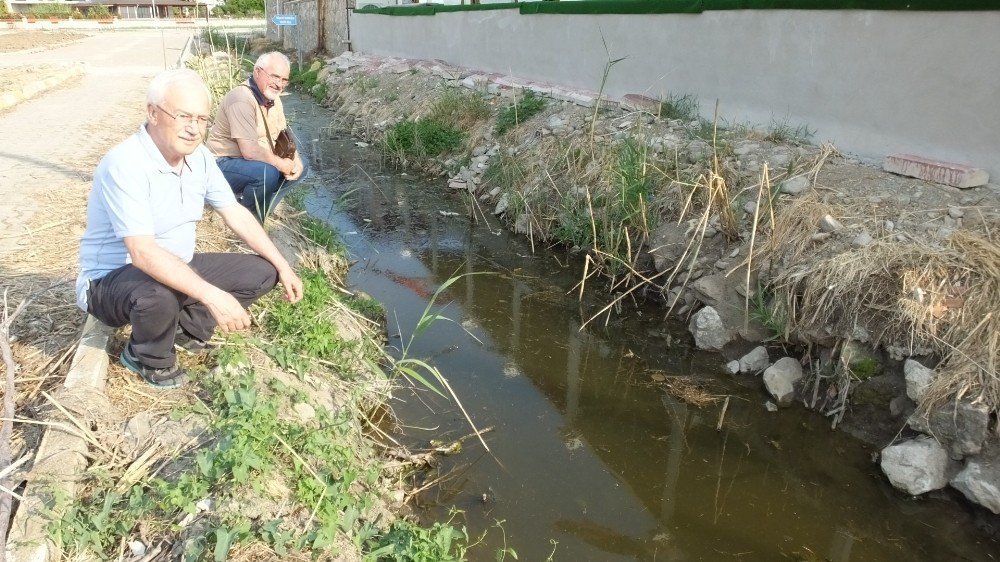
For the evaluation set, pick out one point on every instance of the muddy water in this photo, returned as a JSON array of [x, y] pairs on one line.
[[591, 460]]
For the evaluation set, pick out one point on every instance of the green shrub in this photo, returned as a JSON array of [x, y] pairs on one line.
[[422, 139], [240, 8], [526, 107], [54, 10], [98, 12]]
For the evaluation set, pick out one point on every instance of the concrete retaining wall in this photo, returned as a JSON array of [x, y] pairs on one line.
[[872, 82], [322, 25]]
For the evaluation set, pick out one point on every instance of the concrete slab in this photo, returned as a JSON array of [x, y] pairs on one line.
[[948, 173]]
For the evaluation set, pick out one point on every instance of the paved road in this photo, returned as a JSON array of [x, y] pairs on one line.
[[50, 145]]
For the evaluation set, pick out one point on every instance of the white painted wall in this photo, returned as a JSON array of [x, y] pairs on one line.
[[872, 82]]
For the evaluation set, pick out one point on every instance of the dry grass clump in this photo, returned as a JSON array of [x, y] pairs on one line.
[[907, 295], [695, 391]]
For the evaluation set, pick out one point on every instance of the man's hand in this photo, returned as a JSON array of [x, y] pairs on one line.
[[296, 169], [227, 311], [292, 284]]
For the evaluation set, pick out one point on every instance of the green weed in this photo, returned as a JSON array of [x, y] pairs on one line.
[[303, 80], [406, 542], [322, 234], [367, 307], [684, 107], [460, 109], [780, 132], [422, 139], [506, 171], [366, 83], [618, 215], [865, 368], [770, 315], [525, 108]]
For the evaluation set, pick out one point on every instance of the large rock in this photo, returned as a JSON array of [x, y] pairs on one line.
[[795, 185], [708, 331], [723, 294], [980, 480], [916, 466], [780, 379], [962, 426], [755, 361], [667, 244], [918, 378]]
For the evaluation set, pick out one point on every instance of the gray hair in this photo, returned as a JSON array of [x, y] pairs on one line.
[[268, 58], [163, 81]]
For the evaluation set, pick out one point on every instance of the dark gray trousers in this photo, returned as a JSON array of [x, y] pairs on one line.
[[129, 296]]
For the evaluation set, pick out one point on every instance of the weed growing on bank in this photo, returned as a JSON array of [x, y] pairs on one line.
[[440, 132], [307, 80], [422, 139], [676, 106], [529, 105]]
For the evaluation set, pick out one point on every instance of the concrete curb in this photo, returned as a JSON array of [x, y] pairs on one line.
[[61, 457], [10, 98]]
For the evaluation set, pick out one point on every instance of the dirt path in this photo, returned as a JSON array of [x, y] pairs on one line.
[[51, 144]]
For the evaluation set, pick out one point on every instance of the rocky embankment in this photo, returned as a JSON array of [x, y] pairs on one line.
[[874, 295]]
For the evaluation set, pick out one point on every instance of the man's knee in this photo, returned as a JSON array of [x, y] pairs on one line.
[[156, 297], [260, 276]]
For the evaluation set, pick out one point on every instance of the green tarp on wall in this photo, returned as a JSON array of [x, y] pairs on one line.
[[688, 6]]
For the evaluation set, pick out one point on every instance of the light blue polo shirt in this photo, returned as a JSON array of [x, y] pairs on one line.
[[136, 193]]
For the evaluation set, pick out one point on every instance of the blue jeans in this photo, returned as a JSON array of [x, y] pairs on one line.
[[258, 186]]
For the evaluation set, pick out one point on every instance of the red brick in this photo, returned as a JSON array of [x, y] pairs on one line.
[[948, 173]]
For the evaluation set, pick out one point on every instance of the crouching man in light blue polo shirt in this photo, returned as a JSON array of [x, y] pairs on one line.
[[137, 260]]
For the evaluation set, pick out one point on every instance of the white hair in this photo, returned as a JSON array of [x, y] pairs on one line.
[[157, 92], [268, 58]]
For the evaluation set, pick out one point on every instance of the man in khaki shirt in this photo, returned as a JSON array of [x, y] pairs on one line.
[[239, 137]]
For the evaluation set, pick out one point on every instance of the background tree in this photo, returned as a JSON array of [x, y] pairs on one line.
[[241, 8]]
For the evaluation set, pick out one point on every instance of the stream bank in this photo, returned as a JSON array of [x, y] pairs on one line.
[[599, 440], [748, 234]]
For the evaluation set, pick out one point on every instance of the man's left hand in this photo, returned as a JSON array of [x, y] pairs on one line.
[[297, 168], [292, 284]]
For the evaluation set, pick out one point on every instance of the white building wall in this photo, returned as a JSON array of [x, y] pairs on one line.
[[873, 82]]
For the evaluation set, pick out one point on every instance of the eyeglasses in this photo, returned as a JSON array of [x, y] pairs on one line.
[[280, 80], [201, 121]]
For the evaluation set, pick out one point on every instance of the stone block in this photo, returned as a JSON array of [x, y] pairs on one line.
[[962, 426], [918, 378], [780, 379], [708, 330], [948, 173], [917, 466], [755, 361], [979, 481], [638, 102]]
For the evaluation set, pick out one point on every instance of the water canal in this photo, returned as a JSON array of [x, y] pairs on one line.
[[590, 458]]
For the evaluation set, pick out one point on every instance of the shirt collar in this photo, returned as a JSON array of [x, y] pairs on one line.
[[154, 153], [261, 100]]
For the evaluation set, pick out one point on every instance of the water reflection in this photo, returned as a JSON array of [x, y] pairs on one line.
[[590, 453]]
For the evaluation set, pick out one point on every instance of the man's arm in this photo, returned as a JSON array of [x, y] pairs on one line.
[[253, 151], [166, 268], [245, 225]]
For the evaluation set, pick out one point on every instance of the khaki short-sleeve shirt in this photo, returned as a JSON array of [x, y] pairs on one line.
[[239, 117]]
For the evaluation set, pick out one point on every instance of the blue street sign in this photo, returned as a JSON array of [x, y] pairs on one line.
[[285, 19]]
